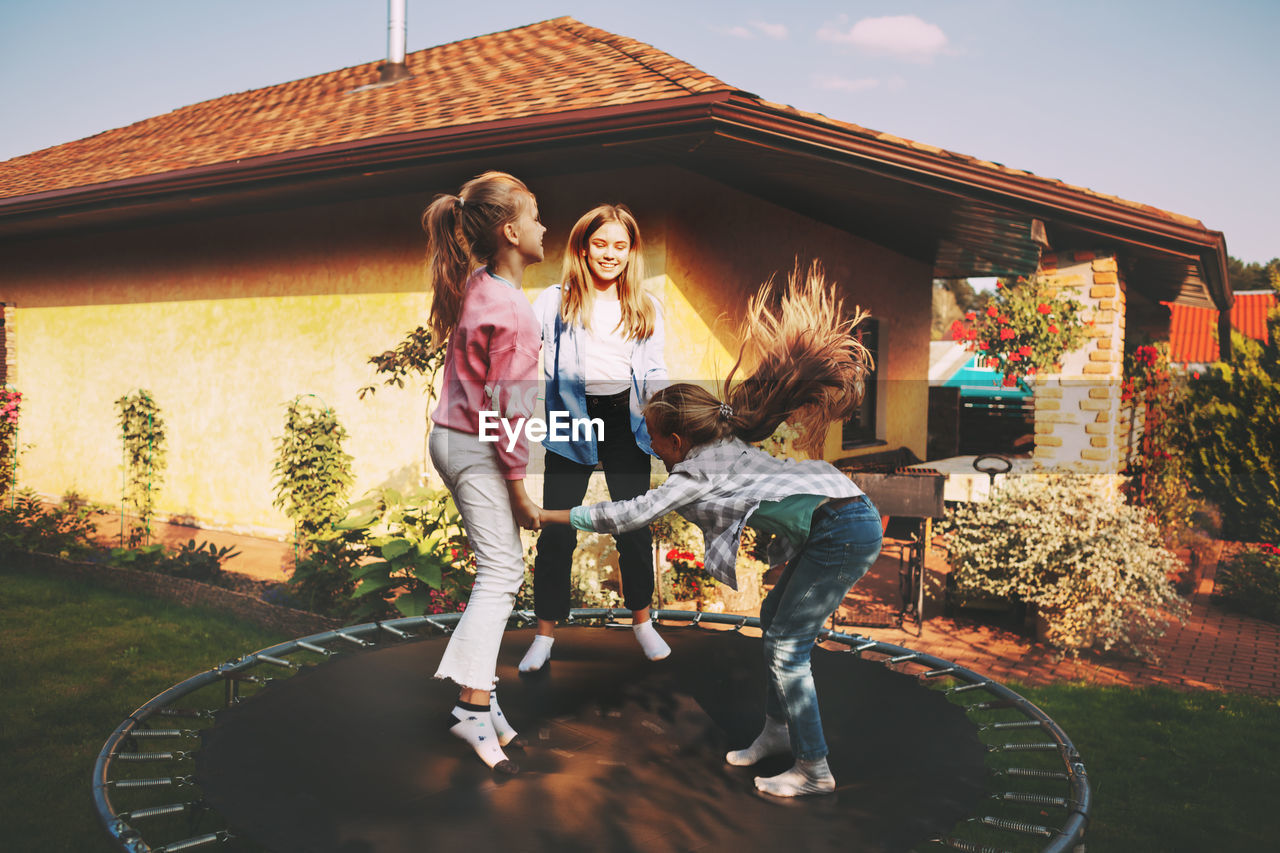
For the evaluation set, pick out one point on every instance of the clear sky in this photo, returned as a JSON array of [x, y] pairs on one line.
[[1167, 102]]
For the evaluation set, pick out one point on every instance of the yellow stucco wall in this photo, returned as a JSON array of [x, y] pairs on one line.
[[225, 320]]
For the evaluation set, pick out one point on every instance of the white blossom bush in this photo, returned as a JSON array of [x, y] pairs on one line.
[[1093, 566]]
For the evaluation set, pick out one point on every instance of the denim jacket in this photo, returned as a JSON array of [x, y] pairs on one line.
[[563, 368]]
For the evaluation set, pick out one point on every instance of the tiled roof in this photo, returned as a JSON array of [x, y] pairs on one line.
[[553, 67], [1193, 335], [549, 67]]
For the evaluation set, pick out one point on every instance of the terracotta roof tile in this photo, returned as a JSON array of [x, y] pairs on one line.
[[1193, 335], [544, 68]]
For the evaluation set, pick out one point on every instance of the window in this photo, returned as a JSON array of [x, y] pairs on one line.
[[861, 428]]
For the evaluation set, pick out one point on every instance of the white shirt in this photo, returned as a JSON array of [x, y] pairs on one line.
[[608, 352]]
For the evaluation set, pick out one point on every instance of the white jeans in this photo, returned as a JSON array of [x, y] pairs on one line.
[[470, 471]]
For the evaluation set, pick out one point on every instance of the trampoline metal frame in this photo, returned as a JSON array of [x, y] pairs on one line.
[[123, 744]]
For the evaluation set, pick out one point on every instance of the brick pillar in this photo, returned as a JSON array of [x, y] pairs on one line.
[[1080, 423]]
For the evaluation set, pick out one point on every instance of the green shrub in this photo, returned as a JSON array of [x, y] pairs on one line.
[[1249, 582], [142, 434], [66, 529], [1233, 445], [202, 562], [1093, 566], [313, 472]]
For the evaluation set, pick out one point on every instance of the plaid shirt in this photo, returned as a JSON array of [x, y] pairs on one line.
[[717, 487]]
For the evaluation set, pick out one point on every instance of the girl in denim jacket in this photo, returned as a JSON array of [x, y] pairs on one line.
[[602, 342]]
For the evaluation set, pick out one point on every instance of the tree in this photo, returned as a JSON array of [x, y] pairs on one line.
[[1233, 442], [1253, 276]]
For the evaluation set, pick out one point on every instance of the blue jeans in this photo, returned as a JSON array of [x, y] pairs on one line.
[[842, 544]]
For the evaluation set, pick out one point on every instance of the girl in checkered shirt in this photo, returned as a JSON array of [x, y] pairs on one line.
[[810, 368]]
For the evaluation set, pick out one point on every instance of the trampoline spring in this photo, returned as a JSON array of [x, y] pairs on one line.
[[149, 756], [1023, 747], [287, 664], [902, 658], [195, 713], [1034, 773], [967, 846], [1033, 799], [994, 705], [199, 841], [160, 782], [394, 631], [156, 811], [964, 688], [1017, 826], [741, 624], [862, 647], [312, 647], [162, 733], [442, 628], [934, 673], [1020, 724], [352, 639]]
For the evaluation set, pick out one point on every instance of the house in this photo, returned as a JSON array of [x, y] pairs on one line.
[[1194, 331], [231, 255]]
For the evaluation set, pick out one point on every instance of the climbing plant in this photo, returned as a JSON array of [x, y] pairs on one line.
[[10, 405], [312, 471], [143, 438], [419, 353]]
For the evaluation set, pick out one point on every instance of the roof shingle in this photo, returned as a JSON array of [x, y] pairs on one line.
[[549, 67], [1193, 335]]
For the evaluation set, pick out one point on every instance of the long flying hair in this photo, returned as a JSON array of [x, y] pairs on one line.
[[464, 231], [802, 362], [577, 294]]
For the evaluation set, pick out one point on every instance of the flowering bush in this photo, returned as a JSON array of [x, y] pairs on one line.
[[1157, 474], [688, 580], [1026, 327], [1095, 568], [1249, 582], [10, 405]]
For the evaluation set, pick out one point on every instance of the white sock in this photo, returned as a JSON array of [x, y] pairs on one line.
[[655, 648], [539, 653], [472, 724], [772, 740], [806, 777], [501, 727]]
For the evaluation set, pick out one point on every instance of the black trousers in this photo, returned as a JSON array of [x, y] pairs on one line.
[[626, 473]]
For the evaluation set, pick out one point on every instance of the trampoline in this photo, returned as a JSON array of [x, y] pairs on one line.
[[338, 743]]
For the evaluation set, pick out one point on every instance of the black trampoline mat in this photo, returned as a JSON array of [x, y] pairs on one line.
[[622, 754]]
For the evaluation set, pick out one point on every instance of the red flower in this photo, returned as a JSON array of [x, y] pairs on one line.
[[1006, 334], [1004, 318], [1013, 356], [982, 345], [970, 317], [992, 311], [1043, 309], [1053, 330], [999, 285], [1024, 351], [958, 331], [1009, 380]]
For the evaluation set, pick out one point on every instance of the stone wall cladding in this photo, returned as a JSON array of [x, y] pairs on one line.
[[1081, 422]]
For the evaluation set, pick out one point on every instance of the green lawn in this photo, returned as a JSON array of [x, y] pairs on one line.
[[1170, 771], [75, 661]]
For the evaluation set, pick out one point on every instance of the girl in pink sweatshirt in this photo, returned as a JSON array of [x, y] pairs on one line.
[[481, 241]]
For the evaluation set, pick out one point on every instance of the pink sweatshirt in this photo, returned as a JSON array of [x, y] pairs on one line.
[[491, 364]]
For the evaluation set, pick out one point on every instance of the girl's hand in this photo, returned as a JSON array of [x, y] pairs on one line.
[[527, 513]]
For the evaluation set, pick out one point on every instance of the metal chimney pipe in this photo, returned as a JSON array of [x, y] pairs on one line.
[[397, 27]]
